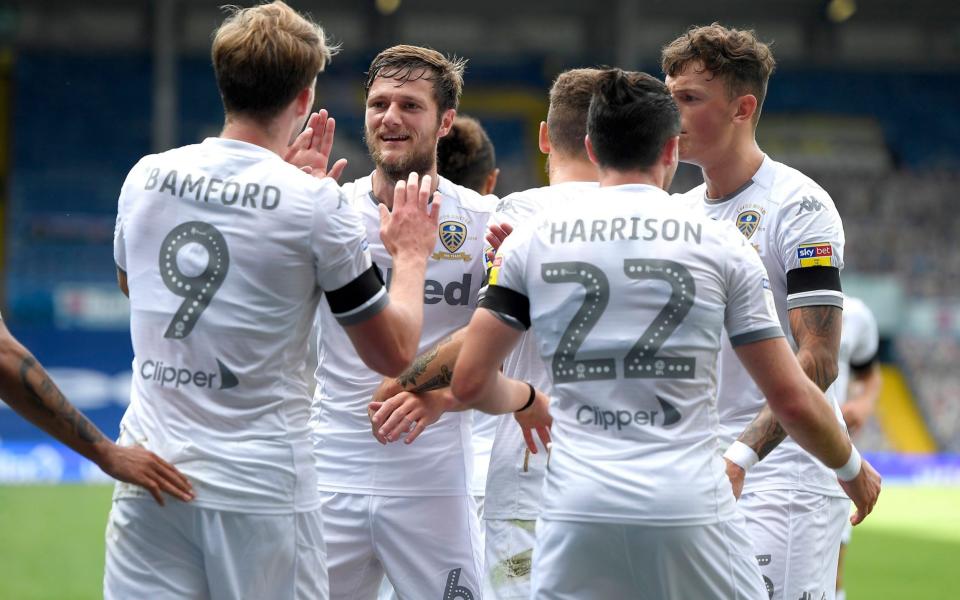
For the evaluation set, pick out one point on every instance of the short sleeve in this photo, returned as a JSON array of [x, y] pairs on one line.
[[810, 241], [866, 336], [750, 314], [119, 241], [352, 283], [507, 295]]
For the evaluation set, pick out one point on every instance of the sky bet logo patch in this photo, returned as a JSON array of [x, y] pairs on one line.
[[819, 254]]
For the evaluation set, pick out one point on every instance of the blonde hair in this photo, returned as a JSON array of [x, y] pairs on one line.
[[408, 63], [264, 56]]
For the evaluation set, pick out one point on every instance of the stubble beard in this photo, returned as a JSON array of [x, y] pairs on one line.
[[418, 160]]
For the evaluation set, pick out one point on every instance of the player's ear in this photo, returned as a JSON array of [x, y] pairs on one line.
[[590, 153], [446, 122], [304, 99], [544, 138], [670, 155], [746, 108], [490, 183]]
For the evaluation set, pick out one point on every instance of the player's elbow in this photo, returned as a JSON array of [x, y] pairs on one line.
[[466, 386], [389, 362]]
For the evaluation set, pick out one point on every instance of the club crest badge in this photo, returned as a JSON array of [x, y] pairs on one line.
[[452, 235], [747, 222]]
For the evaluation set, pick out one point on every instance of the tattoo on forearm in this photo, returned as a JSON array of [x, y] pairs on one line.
[[420, 365], [763, 434], [435, 383], [49, 399], [817, 332]]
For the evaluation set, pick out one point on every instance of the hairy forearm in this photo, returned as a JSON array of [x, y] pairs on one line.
[[27, 388], [433, 369]]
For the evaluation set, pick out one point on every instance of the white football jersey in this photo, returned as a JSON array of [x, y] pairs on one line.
[[628, 294], [794, 227], [440, 462], [227, 249], [858, 343], [515, 480]]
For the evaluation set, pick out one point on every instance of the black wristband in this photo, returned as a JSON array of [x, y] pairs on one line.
[[533, 395]]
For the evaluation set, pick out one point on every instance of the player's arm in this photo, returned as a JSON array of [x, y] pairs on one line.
[[387, 340], [864, 392], [816, 330], [418, 397], [122, 282], [27, 389], [803, 412], [478, 383]]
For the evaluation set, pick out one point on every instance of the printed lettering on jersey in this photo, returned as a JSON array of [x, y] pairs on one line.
[[452, 235], [747, 222], [818, 254], [595, 416]]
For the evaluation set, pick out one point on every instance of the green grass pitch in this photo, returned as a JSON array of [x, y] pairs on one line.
[[51, 544]]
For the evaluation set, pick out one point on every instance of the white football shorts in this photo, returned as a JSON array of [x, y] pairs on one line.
[[508, 558], [796, 539], [183, 551], [428, 546], [601, 561]]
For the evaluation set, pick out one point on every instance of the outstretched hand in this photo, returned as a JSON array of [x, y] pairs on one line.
[[411, 224], [139, 466], [310, 151]]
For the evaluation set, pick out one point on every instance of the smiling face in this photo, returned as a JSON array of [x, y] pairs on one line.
[[402, 126], [708, 114]]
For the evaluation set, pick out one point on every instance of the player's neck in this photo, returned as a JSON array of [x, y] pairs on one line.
[[565, 170], [383, 185], [733, 168], [610, 177], [244, 130]]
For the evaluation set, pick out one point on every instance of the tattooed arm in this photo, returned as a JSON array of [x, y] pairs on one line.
[[430, 371], [816, 330], [27, 389]]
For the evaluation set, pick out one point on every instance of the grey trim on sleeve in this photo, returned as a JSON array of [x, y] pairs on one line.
[[508, 320], [826, 299], [365, 311], [756, 336]]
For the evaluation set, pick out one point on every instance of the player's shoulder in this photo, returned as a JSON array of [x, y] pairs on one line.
[[465, 198], [856, 310], [792, 188]]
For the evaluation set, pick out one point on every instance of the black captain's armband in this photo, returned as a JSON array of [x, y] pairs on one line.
[[505, 302], [357, 292], [811, 279]]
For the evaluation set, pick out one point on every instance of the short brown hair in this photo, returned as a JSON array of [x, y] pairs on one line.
[[570, 97], [465, 156], [264, 55], [408, 63], [736, 56]]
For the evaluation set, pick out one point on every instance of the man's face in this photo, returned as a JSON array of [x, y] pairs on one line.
[[402, 126], [706, 114]]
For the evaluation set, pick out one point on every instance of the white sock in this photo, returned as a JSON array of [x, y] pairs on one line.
[[841, 595]]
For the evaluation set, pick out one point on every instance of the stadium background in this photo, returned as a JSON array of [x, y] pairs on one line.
[[865, 100]]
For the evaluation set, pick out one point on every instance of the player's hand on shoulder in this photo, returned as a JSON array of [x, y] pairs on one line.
[[537, 419], [310, 151], [411, 226], [735, 474], [864, 490], [139, 466], [408, 413]]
